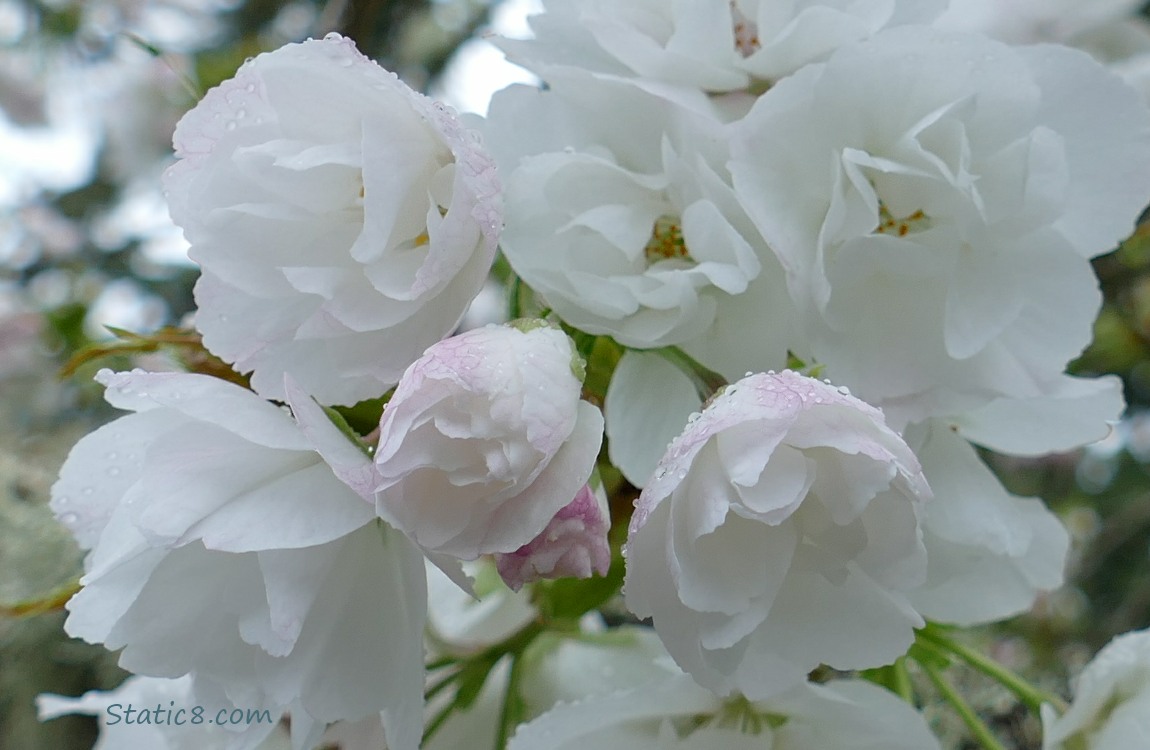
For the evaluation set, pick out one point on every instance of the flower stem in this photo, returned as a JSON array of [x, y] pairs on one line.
[[436, 722], [438, 687], [53, 600], [901, 681], [512, 713], [707, 382], [977, 727], [514, 304], [1032, 696]]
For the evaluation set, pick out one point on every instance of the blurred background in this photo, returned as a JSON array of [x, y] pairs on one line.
[[90, 92]]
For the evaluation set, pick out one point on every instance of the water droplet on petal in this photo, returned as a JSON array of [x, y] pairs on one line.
[[87, 491], [69, 519], [113, 471]]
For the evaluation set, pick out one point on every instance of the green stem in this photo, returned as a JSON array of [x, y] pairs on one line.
[[437, 722], [901, 681], [511, 712], [440, 663], [707, 382], [1032, 696], [514, 305], [438, 687], [977, 727]]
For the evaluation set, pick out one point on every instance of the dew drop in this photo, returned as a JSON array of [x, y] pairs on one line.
[[63, 500], [231, 125], [241, 114], [87, 491], [111, 455], [69, 519], [250, 88], [113, 471]]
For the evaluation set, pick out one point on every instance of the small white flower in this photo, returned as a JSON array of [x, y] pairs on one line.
[[343, 222], [627, 225], [224, 546], [645, 706], [911, 186], [485, 439], [713, 45], [780, 532], [1111, 708]]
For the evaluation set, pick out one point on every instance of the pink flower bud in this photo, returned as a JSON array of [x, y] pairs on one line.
[[574, 545]]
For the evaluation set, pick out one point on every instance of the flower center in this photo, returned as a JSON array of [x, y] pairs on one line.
[[888, 224], [666, 241], [746, 32]]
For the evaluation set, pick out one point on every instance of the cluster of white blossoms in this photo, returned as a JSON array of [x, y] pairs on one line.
[[701, 196]]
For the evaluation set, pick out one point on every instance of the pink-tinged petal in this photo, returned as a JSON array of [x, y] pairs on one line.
[[573, 545], [485, 439]]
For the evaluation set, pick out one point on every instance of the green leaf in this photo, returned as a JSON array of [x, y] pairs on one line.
[[342, 425]]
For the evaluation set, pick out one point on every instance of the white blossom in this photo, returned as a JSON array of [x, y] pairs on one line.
[[713, 45], [935, 199], [622, 692], [342, 221], [1111, 708], [780, 532], [224, 546], [485, 439], [628, 226]]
